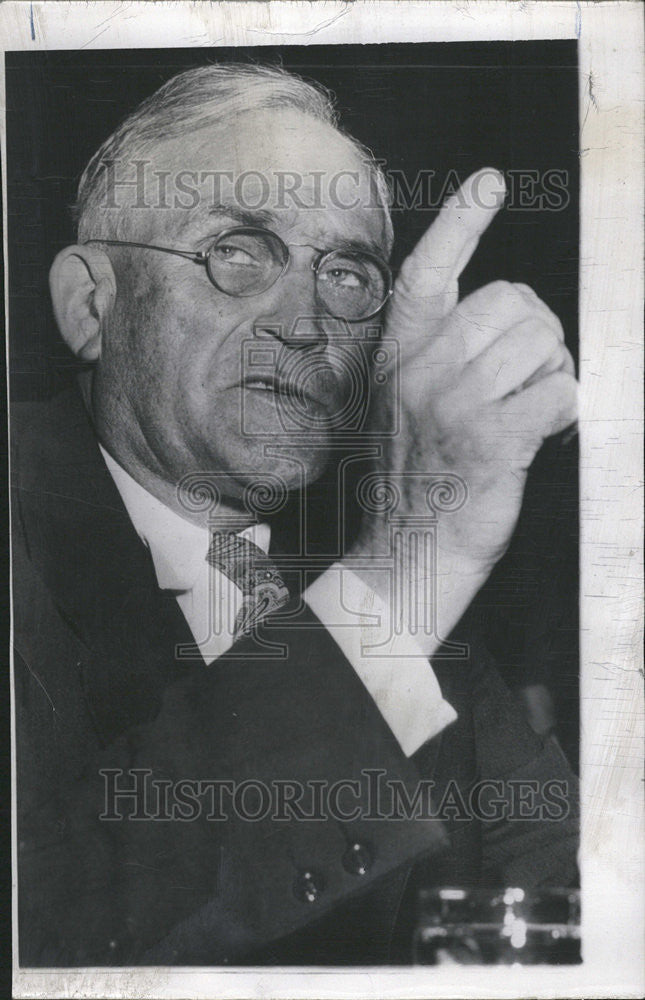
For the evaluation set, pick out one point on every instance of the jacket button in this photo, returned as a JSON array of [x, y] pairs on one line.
[[308, 886], [358, 858]]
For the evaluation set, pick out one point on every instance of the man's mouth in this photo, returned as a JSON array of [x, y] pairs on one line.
[[269, 383], [289, 389]]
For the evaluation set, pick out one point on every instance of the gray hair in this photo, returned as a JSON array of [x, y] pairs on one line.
[[193, 100]]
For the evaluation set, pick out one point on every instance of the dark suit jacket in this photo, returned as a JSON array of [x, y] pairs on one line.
[[97, 686]]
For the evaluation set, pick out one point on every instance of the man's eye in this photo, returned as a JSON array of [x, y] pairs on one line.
[[226, 253], [342, 277]]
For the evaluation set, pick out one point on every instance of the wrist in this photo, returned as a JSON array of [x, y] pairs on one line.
[[416, 550], [427, 588]]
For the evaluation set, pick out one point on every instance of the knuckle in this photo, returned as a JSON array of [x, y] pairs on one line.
[[537, 340], [571, 391], [511, 298], [565, 391], [551, 316], [525, 289], [515, 292], [541, 315], [543, 309], [549, 340], [557, 327], [492, 298], [529, 297], [502, 289]]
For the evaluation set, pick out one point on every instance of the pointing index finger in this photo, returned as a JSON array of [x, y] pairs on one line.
[[431, 273]]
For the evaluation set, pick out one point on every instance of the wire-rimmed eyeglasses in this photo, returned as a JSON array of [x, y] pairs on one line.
[[351, 284]]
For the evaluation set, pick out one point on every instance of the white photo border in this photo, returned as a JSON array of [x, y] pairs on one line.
[[611, 92]]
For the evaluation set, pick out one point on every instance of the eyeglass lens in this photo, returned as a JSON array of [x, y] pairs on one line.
[[245, 262]]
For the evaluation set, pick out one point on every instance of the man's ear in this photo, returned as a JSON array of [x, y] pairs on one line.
[[83, 289]]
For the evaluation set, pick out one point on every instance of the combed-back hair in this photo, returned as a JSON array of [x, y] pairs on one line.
[[195, 99]]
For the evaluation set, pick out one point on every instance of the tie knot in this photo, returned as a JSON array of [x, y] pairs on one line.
[[240, 559], [250, 569]]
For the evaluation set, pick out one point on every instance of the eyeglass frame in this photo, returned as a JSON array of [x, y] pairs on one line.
[[201, 257]]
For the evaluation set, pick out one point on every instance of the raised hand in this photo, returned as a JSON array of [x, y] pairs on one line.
[[483, 382]]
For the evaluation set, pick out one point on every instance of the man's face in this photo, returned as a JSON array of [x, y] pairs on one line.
[[175, 383]]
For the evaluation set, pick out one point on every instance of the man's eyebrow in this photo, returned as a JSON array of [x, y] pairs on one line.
[[370, 246], [245, 216], [268, 219]]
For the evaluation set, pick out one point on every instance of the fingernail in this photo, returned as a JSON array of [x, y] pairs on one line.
[[490, 188]]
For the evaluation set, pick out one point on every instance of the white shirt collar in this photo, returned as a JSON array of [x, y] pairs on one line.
[[177, 546]]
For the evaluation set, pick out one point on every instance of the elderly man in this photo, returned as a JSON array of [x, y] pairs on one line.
[[228, 749]]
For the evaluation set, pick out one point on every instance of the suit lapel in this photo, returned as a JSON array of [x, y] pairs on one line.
[[99, 573]]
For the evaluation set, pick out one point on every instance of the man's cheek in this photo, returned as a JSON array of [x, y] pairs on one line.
[[349, 372]]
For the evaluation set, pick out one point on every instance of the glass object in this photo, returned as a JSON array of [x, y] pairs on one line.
[[351, 284], [510, 926]]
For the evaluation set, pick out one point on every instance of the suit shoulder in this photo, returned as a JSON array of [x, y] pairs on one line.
[[26, 420], [39, 432]]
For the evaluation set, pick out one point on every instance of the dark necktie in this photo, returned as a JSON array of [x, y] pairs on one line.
[[261, 583]]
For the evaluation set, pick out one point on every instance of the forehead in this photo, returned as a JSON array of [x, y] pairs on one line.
[[279, 163]]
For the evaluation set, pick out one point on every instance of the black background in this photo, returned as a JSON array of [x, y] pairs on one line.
[[448, 107]]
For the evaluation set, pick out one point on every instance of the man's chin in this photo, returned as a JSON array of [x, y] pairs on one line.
[[259, 471], [292, 459]]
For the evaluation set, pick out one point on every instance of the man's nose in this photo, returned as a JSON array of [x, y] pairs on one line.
[[291, 312]]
